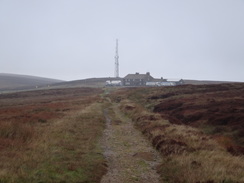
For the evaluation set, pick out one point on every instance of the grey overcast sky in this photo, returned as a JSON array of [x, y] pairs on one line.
[[75, 39]]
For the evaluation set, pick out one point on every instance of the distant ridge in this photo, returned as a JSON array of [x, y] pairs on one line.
[[11, 82], [89, 82], [204, 82], [100, 82], [16, 81]]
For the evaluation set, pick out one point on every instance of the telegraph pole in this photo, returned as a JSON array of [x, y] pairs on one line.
[[116, 71]]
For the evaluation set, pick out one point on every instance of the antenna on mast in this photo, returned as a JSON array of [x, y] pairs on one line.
[[116, 71]]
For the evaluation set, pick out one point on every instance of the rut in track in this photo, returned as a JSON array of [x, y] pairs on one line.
[[130, 156]]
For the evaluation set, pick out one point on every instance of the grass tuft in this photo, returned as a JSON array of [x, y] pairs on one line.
[[16, 131]]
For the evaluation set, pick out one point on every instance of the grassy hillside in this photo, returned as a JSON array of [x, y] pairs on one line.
[[90, 82], [13, 81], [197, 129], [51, 136], [100, 82], [55, 135]]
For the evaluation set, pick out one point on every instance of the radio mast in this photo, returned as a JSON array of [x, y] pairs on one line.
[[116, 71]]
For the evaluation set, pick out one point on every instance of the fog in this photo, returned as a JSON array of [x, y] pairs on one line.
[[75, 39]]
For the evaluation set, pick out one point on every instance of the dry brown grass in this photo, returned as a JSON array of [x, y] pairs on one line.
[[16, 131], [51, 136], [190, 155], [203, 166]]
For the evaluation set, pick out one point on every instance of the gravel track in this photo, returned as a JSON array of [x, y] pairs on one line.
[[130, 157]]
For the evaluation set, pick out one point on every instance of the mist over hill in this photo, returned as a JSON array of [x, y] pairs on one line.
[[15, 81], [101, 82], [23, 82]]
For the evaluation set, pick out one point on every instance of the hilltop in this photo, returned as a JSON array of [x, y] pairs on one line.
[[25, 82], [18, 82], [100, 82], [89, 82]]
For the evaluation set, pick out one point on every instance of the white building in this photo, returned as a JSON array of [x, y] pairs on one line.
[[114, 83]]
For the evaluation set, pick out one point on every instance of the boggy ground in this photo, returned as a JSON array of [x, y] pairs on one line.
[[194, 150], [217, 109]]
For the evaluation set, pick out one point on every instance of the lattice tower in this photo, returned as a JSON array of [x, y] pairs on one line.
[[116, 71]]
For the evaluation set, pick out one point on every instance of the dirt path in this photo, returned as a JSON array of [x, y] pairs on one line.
[[130, 156]]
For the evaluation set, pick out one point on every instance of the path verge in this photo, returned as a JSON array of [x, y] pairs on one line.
[[130, 156]]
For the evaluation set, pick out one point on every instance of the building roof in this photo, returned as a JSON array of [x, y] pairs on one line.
[[138, 76]]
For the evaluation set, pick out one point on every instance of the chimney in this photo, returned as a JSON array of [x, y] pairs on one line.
[[148, 73], [137, 73]]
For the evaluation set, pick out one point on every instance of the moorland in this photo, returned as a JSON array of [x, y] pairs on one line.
[[51, 136], [54, 135]]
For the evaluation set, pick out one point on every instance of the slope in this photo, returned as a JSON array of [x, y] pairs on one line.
[[15, 81]]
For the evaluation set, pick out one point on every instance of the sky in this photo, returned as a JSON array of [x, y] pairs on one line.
[[75, 39]]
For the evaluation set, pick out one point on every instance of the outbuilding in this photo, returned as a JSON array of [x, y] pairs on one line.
[[114, 83]]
